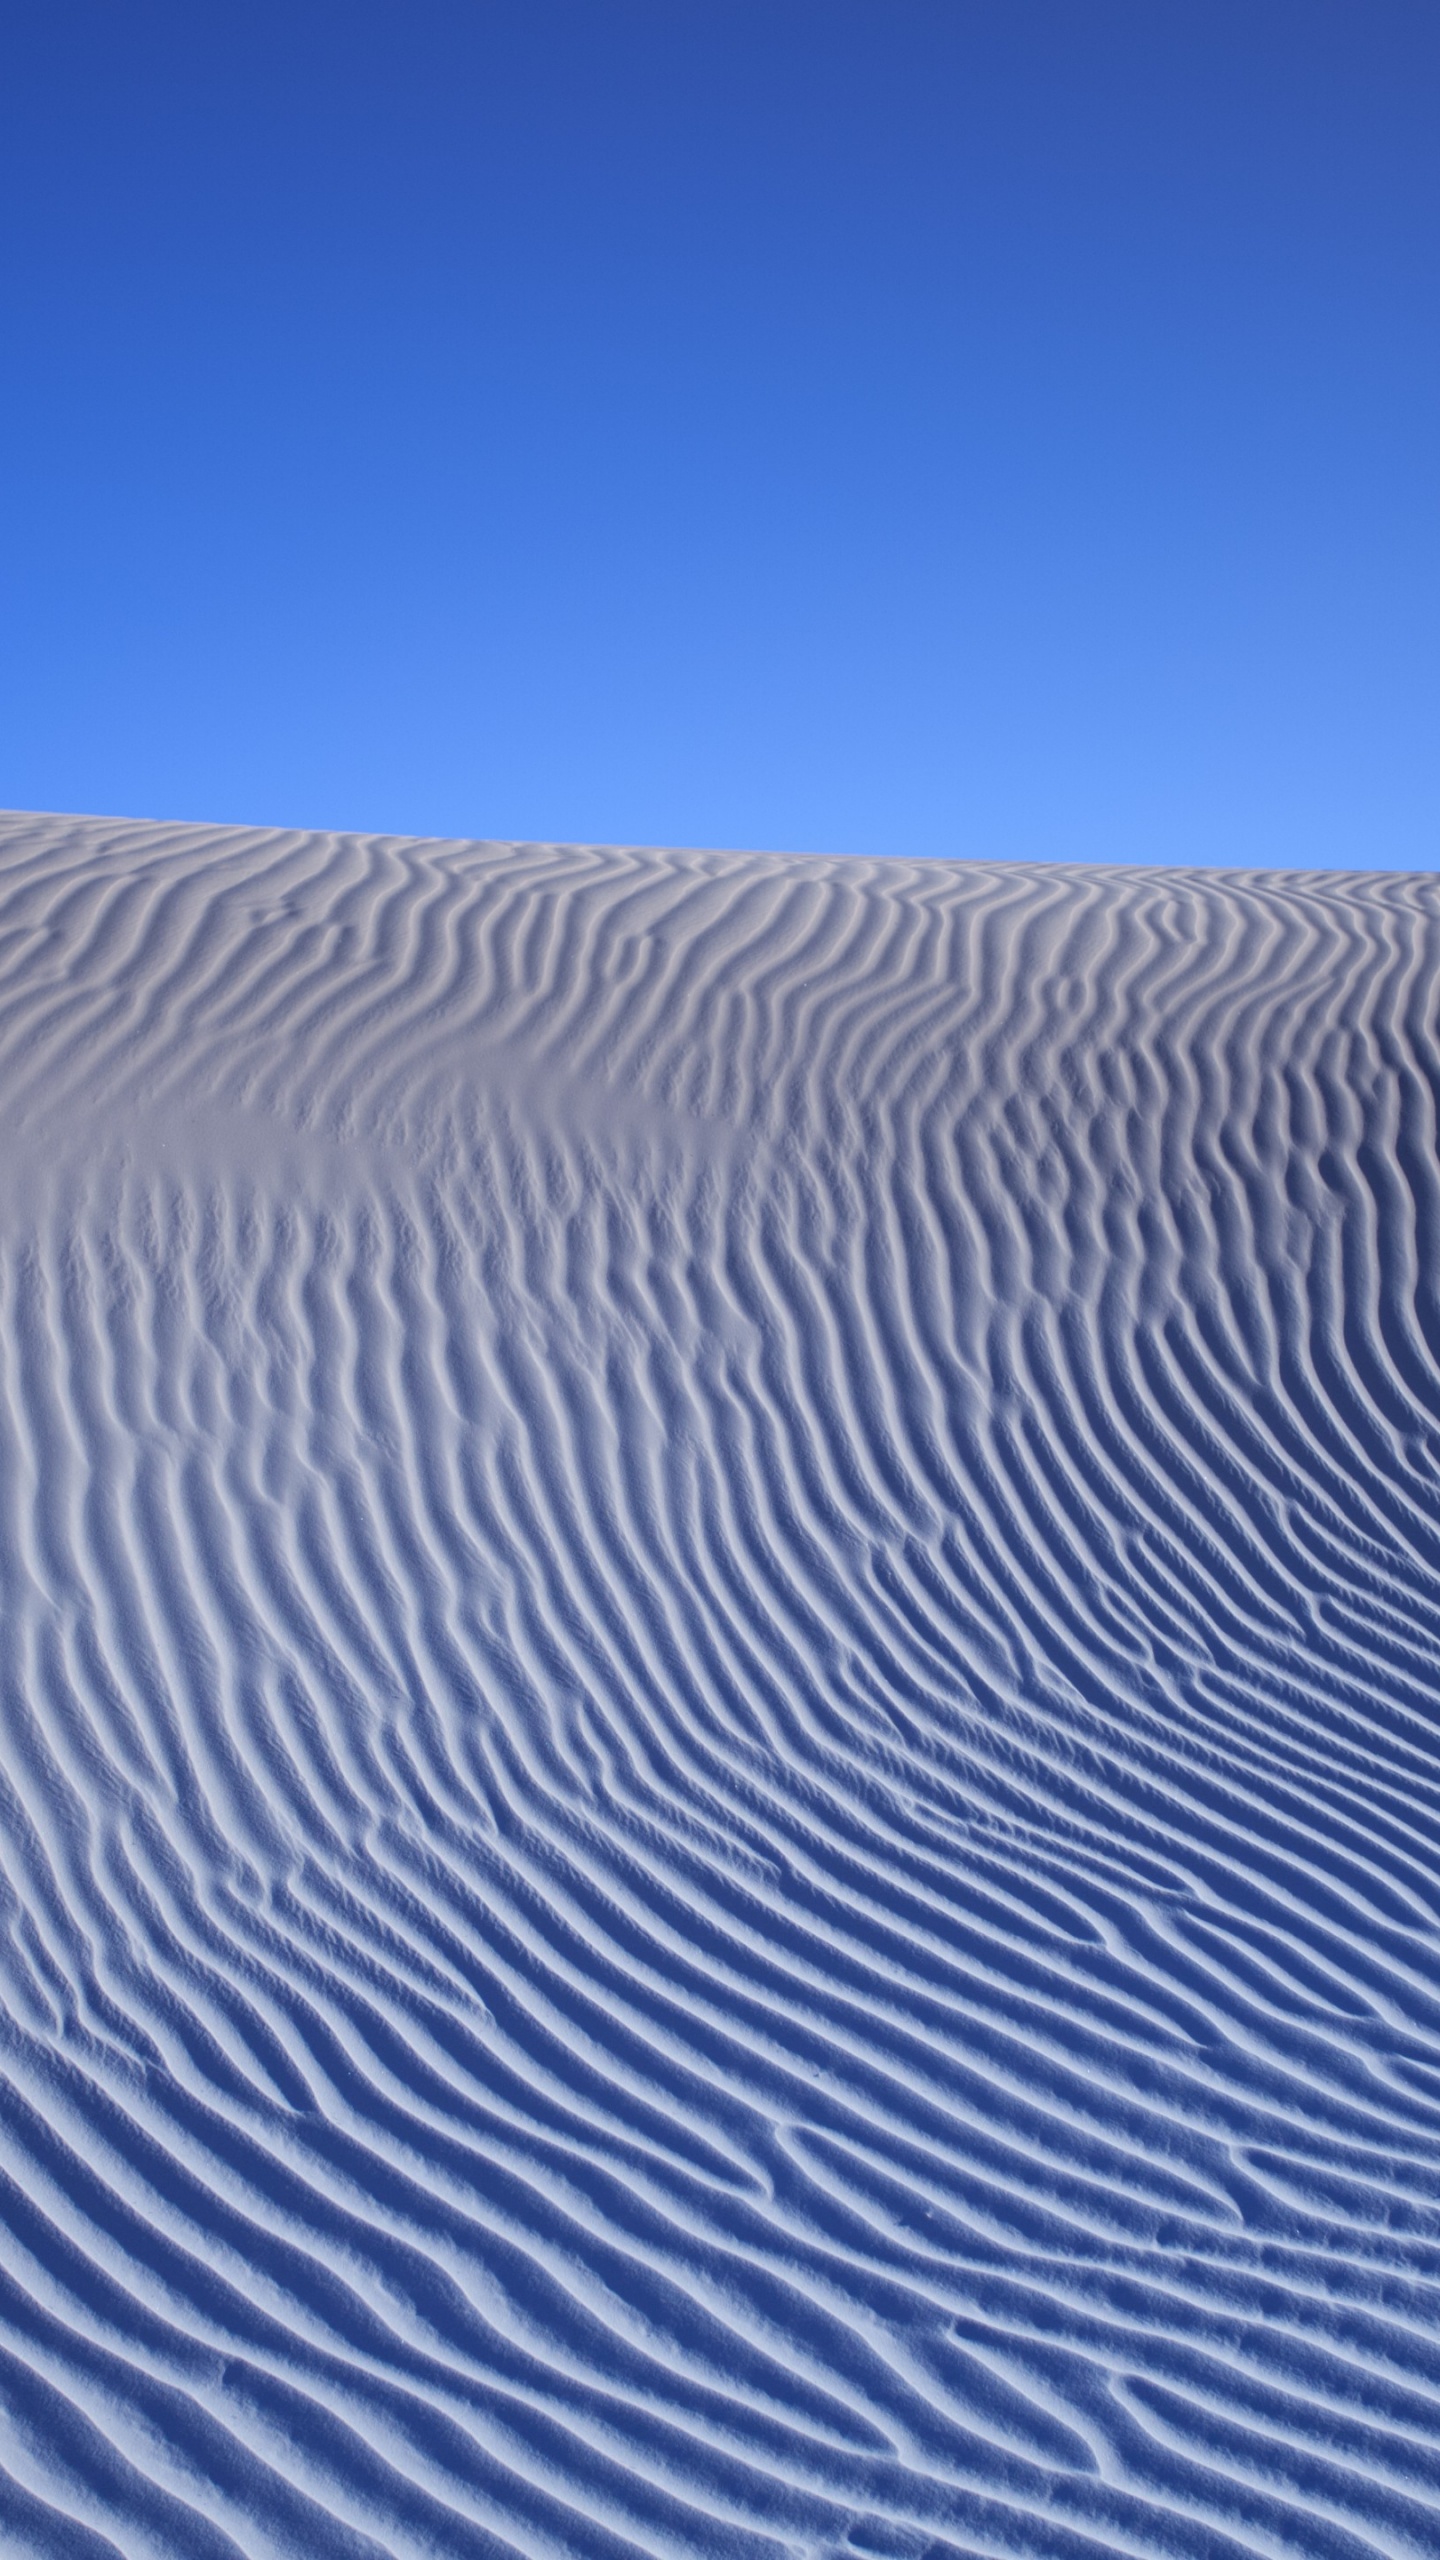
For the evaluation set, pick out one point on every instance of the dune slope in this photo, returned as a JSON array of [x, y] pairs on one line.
[[719, 1680]]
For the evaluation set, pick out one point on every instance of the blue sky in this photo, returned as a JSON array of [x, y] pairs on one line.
[[1003, 430]]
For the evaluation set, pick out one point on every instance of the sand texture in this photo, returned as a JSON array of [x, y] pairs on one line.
[[719, 1705]]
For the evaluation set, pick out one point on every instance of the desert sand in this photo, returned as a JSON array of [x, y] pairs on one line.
[[719, 1705]]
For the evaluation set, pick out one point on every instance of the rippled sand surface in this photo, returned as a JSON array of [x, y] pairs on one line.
[[719, 1705]]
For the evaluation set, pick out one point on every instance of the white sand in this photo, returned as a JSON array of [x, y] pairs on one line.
[[719, 1686]]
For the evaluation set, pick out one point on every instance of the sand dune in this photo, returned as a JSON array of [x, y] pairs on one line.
[[719, 1705]]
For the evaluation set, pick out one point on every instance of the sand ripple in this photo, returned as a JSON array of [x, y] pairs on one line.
[[719, 1677]]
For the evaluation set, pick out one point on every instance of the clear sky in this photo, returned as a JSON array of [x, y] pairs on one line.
[[994, 428]]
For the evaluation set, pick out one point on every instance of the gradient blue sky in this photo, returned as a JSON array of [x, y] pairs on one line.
[[1008, 429]]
